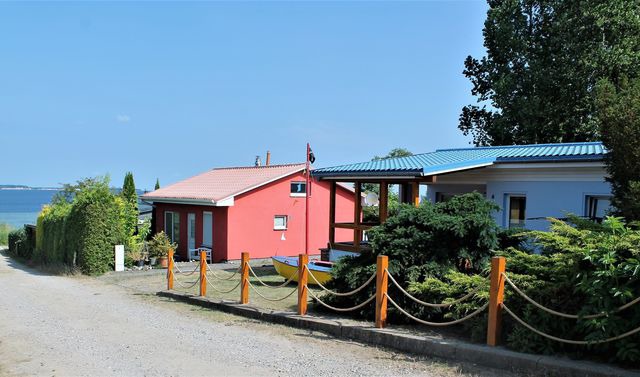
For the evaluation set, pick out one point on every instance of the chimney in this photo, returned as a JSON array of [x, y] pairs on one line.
[[268, 162], [258, 162]]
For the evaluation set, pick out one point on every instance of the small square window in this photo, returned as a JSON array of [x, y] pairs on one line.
[[280, 222], [298, 189]]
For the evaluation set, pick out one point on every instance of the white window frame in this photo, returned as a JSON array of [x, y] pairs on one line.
[[171, 236], [507, 218], [587, 202], [204, 229], [281, 227], [297, 194]]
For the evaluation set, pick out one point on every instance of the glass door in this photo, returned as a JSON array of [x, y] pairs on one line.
[[191, 230]]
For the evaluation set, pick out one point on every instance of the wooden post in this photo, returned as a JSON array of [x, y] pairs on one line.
[[381, 290], [357, 232], [332, 214], [383, 207], [303, 275], [170, 270], [244, 275], [203, 273], [415, 193], [496, 297]]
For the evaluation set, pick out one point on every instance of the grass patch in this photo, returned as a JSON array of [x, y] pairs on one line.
[[4, 233]]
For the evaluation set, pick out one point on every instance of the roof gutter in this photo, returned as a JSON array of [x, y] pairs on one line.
[[200, 202]]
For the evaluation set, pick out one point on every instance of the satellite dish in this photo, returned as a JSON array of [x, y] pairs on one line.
[[371, 199]]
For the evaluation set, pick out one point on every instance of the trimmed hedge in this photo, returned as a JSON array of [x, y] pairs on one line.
[[22, 242], [82, 232]]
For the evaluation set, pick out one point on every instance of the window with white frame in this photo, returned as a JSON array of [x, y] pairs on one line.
[[172, 226], [517, 206], [298, 188], [207, 229], [597, 206], [280, 222]]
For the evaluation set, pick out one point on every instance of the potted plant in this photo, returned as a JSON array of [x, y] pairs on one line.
[[136, 256], [159, 248]]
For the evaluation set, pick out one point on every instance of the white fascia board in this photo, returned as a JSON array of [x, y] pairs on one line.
[[198, 202], [459, 169]]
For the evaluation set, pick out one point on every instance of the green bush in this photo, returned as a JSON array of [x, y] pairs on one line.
[[584, 268], [4, 233], [21, 242], [81, 226], [94, 225], [430, 241]]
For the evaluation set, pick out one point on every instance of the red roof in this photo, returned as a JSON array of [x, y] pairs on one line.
[[222, 183]]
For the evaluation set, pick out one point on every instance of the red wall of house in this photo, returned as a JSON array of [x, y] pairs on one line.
[[250, 223], [219, 226]]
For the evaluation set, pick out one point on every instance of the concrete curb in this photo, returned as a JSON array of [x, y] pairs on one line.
[[453, 350]]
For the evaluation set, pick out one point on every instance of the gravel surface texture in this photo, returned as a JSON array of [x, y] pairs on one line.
[[76, 326]]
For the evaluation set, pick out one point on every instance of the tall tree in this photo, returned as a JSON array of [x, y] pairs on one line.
[[157, 187], [544, 58], [619, 112], [129, 189]]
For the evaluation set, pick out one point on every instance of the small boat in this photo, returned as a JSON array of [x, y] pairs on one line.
[[287, 267]]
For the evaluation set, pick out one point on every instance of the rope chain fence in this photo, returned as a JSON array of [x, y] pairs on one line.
[[223, 278], [431, 305], [568, 341], [273, 286], [341, 294], [268, 298], [186, 286], [438, 324], [221, 291], [340, 309], [565, 315], [180, 272]]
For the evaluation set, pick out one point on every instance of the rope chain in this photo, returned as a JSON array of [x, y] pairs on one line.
[[568, 341], [184, 286], [432, 305], [341, 294], [438, 324], [226, 278], [565, 315], [340, 309], [221, 291], [273, 286], [185, 273], [267, 298]]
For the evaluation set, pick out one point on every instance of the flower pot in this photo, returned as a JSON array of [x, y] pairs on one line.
[[153, 261], [163, 261], [140, 263]]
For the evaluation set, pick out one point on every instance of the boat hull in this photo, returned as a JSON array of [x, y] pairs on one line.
[[287, 267]]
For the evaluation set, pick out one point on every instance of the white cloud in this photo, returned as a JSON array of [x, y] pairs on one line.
[[122, 118]]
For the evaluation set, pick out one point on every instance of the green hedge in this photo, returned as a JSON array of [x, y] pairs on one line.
[[22, 242], [94, 226], [81, 229]]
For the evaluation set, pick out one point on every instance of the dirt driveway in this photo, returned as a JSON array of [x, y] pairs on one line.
[[68, 326]]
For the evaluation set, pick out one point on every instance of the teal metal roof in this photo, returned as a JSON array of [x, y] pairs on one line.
[[450, 160]]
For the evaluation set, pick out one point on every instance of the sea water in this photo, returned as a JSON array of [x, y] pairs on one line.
[[19, 207]]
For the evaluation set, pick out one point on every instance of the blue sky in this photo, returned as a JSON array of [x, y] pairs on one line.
[[169, 90]]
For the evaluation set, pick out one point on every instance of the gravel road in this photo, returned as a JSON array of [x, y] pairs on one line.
[[73, 326]]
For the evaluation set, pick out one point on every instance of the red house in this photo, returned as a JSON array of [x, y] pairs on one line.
[[258, 209]]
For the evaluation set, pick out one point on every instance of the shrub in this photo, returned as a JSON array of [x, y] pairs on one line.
[[94, 225], [160, 244], [21, 242], [430, 241], [4, 233]]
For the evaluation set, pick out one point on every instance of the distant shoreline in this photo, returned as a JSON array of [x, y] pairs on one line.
[[31, 188]]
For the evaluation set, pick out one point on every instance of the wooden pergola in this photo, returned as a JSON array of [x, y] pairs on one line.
[[409, 193]]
